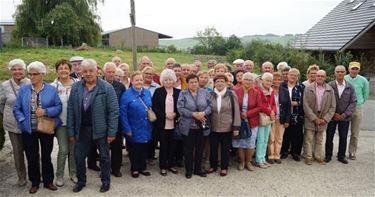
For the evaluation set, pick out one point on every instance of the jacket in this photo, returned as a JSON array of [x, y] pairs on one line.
[[158, 105], [133, 115], [225, 120], [328, 106], [268, 104], [186, 106], [7, 101], [104, 110], [49, 99], [284, 105], [346, 104], [253, 105], [361, 86], [296, 114]]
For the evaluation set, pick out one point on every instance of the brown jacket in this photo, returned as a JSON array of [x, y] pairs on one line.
[[327, 110], [224, 121]]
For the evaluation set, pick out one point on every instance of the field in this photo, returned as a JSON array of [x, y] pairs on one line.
[[49, 56]]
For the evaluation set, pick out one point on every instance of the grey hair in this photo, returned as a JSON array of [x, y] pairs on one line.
[[109, 64], [38, 66], [124, 65], [89, 62], [16, 62], [282, 65], [340, 66], [119, 72], [249, 75], [116, 57], [167, 73], [267, 76], [268, 62]]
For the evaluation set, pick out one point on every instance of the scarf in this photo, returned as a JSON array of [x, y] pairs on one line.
[[219, 97]]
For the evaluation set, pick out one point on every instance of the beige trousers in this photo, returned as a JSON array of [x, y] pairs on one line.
[[18, 154], [310, 135], [354, 130], [275, 140]]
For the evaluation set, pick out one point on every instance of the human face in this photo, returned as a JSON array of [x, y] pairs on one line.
[[169, 63], [285, 75], [220, 71], [36, 77], [17, 72], [118, 77], [100, 72], [168, 82], [312, 75], [276, 82], [267, 82], [248, 67], [239, 77], [90, 72], [193, 84], [247, 83], [198, 66], [292, 77], [203, 80], [76, 66], [137, 82], [110, 73], [117, 61], [63, 71], [340, 73], [220, 84], [210, 64], [354, 71], [239, 66], [267, 68], [144, 63], [185, 71], [177, 71], [321, 77], [147, 75], [126, 70]]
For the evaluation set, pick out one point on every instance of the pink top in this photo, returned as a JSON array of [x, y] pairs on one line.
[[169, 124], [319, 96]]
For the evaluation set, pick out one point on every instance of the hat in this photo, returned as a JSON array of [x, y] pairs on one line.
[[238, 61], [354, 65], [76, 59]]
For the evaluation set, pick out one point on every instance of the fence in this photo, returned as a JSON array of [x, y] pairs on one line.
[[34, 42]]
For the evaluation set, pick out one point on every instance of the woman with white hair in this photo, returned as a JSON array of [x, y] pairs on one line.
[[125, 78], [164, 104], [267, 112], [8, 93], [34, 103]]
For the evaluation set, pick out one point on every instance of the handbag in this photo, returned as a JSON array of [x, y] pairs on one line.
[[46, 125], [245, 131], [150, 114], [264, 119]]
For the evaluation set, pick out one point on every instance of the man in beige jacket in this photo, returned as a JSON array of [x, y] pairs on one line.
[[319, 104]]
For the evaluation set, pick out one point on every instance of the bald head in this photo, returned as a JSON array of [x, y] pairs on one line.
[[321, 76]]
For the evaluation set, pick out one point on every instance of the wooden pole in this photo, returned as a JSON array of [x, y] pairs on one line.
[[134, 44]]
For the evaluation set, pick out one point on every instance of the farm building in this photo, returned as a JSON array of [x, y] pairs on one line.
[[122, 38], [7, 28]]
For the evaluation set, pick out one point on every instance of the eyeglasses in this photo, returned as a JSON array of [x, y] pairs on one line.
[[33, 74]]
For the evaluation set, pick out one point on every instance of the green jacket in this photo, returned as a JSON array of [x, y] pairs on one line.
[[361, 87]]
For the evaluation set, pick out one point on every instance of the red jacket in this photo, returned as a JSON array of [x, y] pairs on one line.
[[253, 105], [268, 103]]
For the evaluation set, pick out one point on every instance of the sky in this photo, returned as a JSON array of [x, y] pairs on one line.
[[184, 18]]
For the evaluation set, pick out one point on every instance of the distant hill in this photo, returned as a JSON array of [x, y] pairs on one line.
[[186, 43]]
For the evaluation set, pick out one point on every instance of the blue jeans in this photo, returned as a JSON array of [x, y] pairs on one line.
[[81, 152]]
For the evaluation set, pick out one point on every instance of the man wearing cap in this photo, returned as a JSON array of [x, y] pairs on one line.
[[77, 69], [361, 87]]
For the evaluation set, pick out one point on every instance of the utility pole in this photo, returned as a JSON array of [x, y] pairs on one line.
[[134, 44]]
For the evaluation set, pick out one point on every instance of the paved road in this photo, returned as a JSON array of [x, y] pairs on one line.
[[368, 119], [288, 179]]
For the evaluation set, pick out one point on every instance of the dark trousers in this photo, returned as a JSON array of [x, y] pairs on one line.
[[224, 140], [193, 142], [31, 146], [137, 156], [167, 149], [116, 152], [179, 150], [293, 138], [151, 145], [81, 152], [343, 127], [93, 155]]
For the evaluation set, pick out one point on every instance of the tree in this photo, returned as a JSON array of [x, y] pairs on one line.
[[233, 42]]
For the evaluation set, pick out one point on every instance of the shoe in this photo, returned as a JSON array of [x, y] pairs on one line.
[[21, 182], [262, 165], [145, 173], [95, 168], [135, 174], [270, 161], [78, 188], [59, 181], [188, 175], [51, 187], [201, 174], [352, 156], [267, 164], [250, 166], [296, 158], [33, 189], [163, 172], [223, 172], [117, 174], [308, 161], [327, 160], [241, 166], [278, 161], [284, 156], [74, 179], [104, 188], [343, 160], [211, 170], [320, 161], [173, 170]]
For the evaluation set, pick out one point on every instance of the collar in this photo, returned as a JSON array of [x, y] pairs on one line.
[[222, 93], [343, 83], [32, 87]]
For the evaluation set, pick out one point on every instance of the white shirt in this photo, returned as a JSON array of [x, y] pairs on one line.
[[341, 87]]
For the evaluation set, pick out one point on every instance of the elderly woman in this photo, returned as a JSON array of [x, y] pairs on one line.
[[33, 103], [293, 135], [179, 82], [194, 106], [238, 74], [268, 108], [225, 119], [134, 104], [220, 69], [250, 106], [63, 84], [125, 78], [203, 80], [8, 93], [119, 74], [164, 104], [169, 63], [230, 80]]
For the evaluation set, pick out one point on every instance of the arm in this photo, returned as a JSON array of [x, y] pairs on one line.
[[237, 117], [156, 104], [332, 108], [3, 98], [208, 109], [181, 107], [307, 109], [112, 111], [254, 112], [124, 102], [70, 122], [56, 107], [366, 90], [17, 109], [352, 104]]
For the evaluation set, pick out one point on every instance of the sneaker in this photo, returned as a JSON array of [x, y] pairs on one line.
[[308, 161], [262, 165], [59, 181], [267, 164], [241, 166]]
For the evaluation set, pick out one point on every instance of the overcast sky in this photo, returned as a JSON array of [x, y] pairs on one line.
[[183, 18]]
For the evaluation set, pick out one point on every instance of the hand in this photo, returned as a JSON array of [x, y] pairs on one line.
[[170, 116], [40, 112], [323, 122], [294, 103], [129, 134], [243, 115], [72, 139], [110, 139], [286, 125], [236, 132], [336, 117], [317, 121], [273, 116]]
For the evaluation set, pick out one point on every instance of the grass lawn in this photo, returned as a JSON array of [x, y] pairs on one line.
[[50, 55]]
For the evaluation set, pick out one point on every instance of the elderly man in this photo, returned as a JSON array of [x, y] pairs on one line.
[[146, 61], [76, 67], [197, 66], [361, 86], [267, 67], [116, 146], [211, 63], [170, 62], [311, 74], [93, 113], [238, 64], [248, 66], [345, 107], [319, 104]]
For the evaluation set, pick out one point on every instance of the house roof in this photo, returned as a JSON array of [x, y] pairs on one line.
[[340, 27], [7, 22], [160, 35]]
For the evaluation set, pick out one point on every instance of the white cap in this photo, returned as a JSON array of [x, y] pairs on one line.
[[238, 61], [76, 59]]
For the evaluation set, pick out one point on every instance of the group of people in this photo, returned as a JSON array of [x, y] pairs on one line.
[[191, 114]]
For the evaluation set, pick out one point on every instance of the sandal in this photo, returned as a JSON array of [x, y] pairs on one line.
[[211, 170]]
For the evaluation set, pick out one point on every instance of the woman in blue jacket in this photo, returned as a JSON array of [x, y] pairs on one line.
[[135, 124], [33, 101]]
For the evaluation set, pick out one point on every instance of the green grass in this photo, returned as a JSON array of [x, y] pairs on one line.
[[50, 55]]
